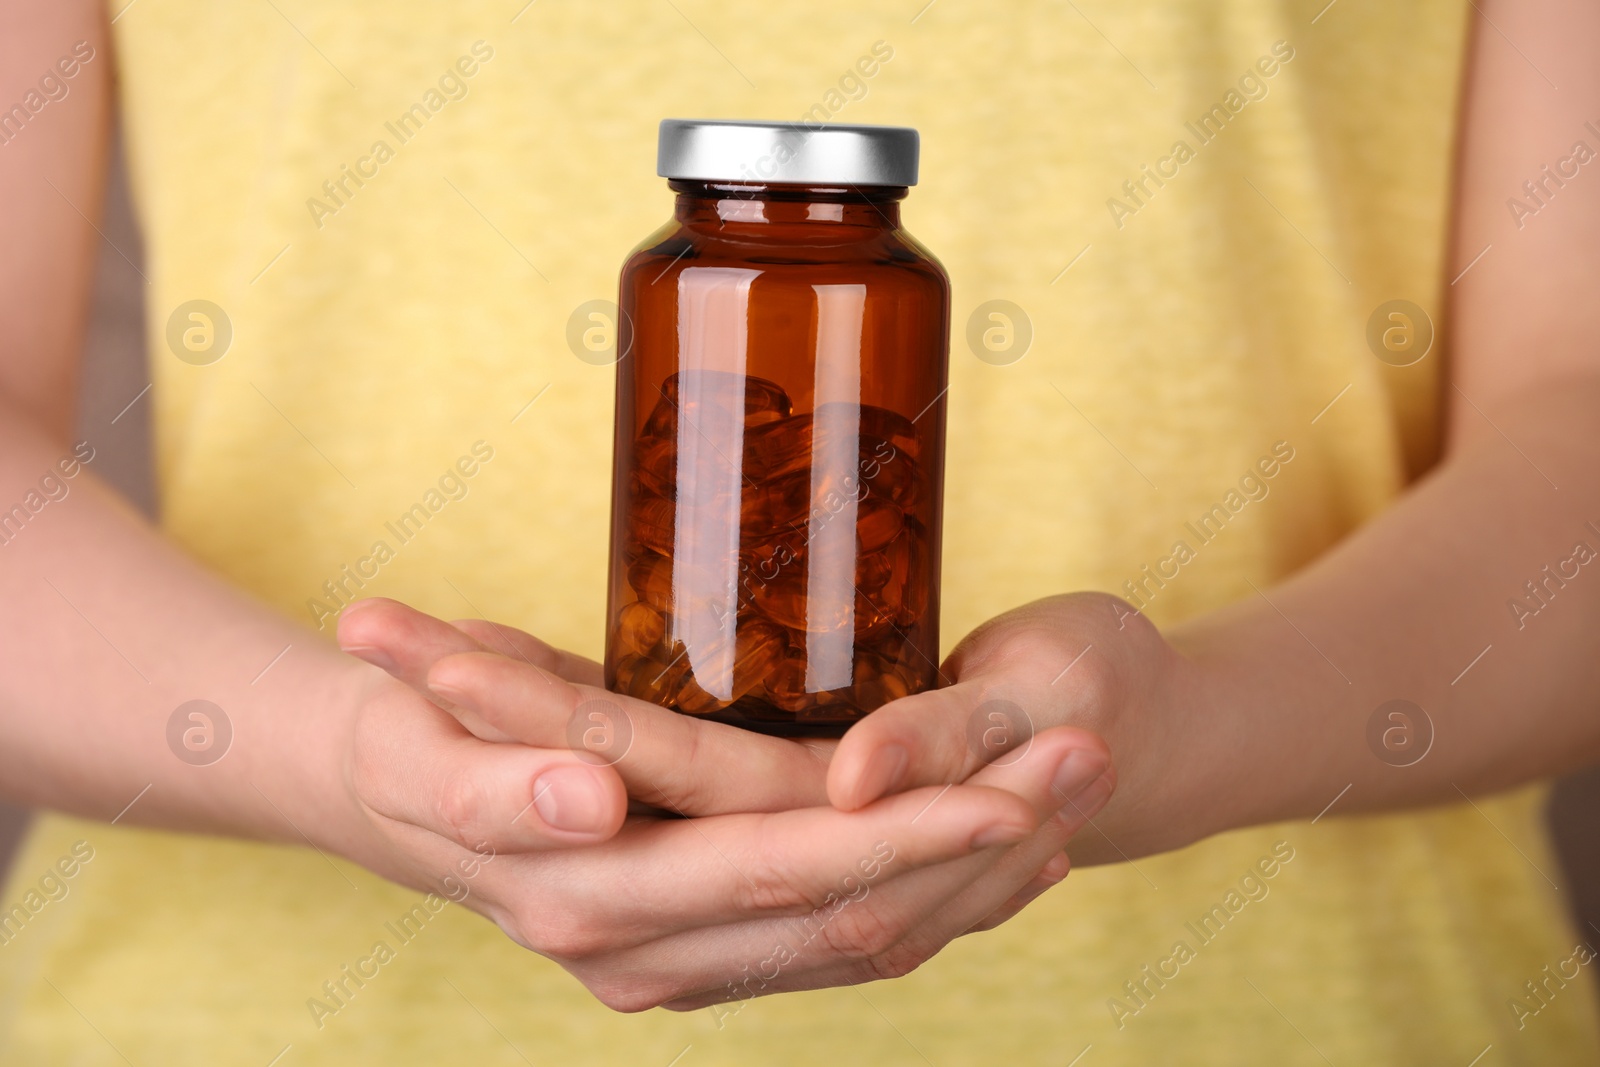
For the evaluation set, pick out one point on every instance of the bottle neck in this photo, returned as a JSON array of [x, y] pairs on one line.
[[721, 204]]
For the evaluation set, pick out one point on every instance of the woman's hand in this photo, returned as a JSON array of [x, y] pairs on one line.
[[473, 685], [767, 889], [434, 782], [1086, 660]]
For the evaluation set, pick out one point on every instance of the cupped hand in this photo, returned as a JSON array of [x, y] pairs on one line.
[[1084, 660], [582, 752], [766, 889]]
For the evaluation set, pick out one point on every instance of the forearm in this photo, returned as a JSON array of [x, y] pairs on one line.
[[1277, 691], [51, 177], [1420, 604], [108, 628]]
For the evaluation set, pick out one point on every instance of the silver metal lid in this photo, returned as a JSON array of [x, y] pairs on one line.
[[787, 152]]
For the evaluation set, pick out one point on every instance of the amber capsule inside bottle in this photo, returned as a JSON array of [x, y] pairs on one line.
[[780, 420]]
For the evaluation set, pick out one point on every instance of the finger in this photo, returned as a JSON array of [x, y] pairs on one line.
[[516, 644], [1050, 875], [406, 642], [1067, 773], [855, 936], [846, 943], [678, 762], [837, 954], [727, 869], [1018, 876], [1050, 769], [943, 735], [415, 765], [1065, 776], [917, 740], [399, 638], [905, 922], [755, 974]]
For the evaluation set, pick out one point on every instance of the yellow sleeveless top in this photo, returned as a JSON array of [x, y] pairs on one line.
[[1181, 326]]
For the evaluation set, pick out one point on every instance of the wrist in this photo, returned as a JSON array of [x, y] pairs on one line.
[[1168, 739], [1234, 749], [305, 782], [1090, 661]]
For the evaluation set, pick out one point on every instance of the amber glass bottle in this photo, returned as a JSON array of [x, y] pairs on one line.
[[779, 433]]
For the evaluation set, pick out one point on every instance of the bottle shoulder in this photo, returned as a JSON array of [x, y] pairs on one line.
[[876, 250]]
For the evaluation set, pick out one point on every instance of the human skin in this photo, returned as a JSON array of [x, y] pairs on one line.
[[1236, 718]]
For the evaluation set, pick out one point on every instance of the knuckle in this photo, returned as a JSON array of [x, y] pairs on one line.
[[1044, 648], [862, 933], [1120, 616], [769, 885], [1033, 644], [626, 994], [1081, 664], [566, 939], [1098, 681], [897, 962], [461, 805], [687, 787]]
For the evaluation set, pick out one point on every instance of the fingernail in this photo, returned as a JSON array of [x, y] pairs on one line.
[[570, 799], [999, 834], [1079, 769], [1056, 870], [1050, 876], [884, 771], [450, 695], [375, 656], [1087, 803]]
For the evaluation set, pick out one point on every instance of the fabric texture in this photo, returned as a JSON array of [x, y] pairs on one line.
[[1181, 328]]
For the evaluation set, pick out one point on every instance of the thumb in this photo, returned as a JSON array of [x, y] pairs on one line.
[[1015, 676], [932, 738]]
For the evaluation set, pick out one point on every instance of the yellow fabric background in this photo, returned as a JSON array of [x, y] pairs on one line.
[[426, 313]]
